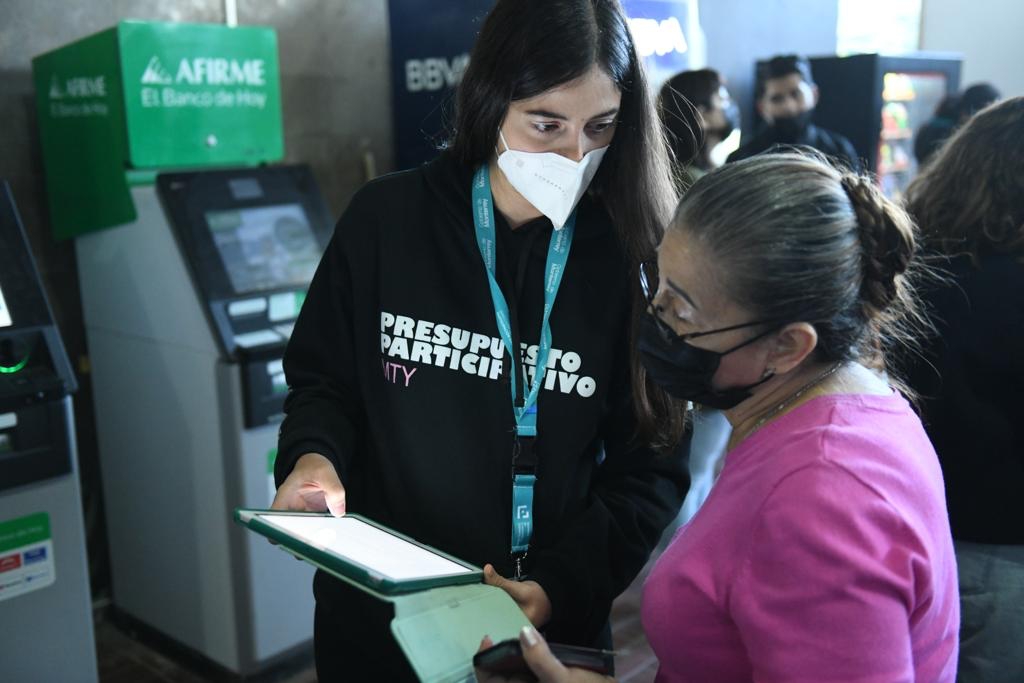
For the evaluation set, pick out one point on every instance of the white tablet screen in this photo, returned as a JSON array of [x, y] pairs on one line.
[[367, 545]]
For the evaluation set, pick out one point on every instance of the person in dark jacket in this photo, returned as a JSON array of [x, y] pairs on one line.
[[975, 98], [969, 202], [786, 96], [954, 110], [937, 129], [471, 325], [699, 116]]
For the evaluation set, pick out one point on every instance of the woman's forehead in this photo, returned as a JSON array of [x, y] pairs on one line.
[[591, 95], [687, 265]]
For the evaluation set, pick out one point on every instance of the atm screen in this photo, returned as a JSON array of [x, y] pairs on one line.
[[265, 247], [5, 313]]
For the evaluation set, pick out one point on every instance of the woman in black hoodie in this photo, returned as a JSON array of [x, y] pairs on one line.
[[405, 403]]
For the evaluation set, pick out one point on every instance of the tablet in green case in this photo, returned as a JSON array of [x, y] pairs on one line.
[[360, 551], [442, 607]]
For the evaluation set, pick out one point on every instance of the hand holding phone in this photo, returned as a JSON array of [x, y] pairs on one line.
[[554, 663]]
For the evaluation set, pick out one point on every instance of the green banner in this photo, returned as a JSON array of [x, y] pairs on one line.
[[200, 94], [83, 135], [147, 96], [24, 531]]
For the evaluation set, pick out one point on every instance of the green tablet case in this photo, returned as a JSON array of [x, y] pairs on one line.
[[438, 622]]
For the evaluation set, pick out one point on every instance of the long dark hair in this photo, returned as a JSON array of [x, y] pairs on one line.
[[679, 105], [970, 198], [527, 47]]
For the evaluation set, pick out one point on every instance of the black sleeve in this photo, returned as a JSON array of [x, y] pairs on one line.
[[324, 407], [635, 495]]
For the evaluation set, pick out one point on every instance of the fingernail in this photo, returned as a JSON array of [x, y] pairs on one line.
[[529, 635]]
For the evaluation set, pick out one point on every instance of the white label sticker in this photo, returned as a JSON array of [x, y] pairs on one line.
[[26, 566], [5, 313]]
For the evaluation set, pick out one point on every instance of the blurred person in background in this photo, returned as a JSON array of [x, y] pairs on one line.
[[701, 120], [786, 96], [953, 111], [975, 98], [937, 129], [969, 203]]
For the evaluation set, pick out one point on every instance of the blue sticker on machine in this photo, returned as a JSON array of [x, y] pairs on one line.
[[35, 555]]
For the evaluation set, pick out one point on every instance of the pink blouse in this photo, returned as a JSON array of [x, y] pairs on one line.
[[823, 553]]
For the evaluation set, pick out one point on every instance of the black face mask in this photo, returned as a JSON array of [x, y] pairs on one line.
[[792, 128], [684, 370]]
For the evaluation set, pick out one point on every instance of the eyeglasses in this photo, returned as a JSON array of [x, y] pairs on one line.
[[649, 280], [649, 286]]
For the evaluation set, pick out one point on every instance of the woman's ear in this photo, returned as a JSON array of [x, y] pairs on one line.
[[791, 345]]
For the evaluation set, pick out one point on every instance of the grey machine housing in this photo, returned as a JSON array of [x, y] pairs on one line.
[[46, 634], [189, 388]]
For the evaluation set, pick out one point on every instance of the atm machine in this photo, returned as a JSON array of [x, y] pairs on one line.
[[46, 630], [187, 314]]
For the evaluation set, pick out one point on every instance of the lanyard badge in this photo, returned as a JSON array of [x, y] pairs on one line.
[[524, 461]]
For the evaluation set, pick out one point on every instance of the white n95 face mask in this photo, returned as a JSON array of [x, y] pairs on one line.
[[552, 183]]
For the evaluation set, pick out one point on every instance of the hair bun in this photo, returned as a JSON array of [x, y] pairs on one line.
[[887, 238]]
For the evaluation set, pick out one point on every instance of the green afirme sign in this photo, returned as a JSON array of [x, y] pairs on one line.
[[151, 95], [213, 91], [16, 533]]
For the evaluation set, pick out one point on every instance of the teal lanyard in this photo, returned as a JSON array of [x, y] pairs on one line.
[[525, 414]]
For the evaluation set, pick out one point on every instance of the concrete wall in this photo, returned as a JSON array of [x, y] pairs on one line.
[[740, 32], [336, 106], [988, 33]]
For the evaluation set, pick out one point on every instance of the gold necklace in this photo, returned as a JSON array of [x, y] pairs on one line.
[[792, 398]]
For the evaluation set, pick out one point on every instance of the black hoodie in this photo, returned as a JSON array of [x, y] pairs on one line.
[[397, 374]]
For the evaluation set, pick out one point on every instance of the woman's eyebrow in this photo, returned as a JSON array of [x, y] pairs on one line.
[[682, 292], [611, 112], [547, 114], [561, 117]]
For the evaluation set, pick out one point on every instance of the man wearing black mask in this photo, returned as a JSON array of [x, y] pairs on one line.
[[786, 96]]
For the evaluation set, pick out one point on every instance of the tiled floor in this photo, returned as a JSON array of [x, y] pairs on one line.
[[133, 658], [124, 659]]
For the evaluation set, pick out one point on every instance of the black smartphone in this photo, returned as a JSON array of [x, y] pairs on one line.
[[506, 659]]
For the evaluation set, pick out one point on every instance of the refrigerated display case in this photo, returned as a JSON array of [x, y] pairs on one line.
[[880, 103]]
